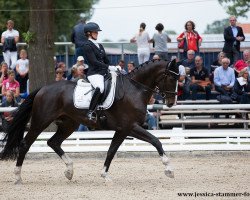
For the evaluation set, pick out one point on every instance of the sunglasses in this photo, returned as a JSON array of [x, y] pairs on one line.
[[59, 72]]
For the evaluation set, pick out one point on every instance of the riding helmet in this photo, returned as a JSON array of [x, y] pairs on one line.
[[91, 27]]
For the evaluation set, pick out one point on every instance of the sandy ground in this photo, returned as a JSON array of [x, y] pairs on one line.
[[134, 178]]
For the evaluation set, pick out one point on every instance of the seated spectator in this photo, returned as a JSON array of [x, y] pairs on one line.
[[59, 74], [241, 64], [151, 116], [241, 89], [3, 72], [7, 117], [22, 70], [224, 78], [62, 66], [131, 66], [11, 84], [156, 57], [79, 62], [200, 79], [189, 62], [216, 63], [121, 66], [73, 74], [80, 72]]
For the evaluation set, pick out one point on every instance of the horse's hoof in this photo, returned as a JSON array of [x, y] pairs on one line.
[[69, 174], [169, 173], [18, 182]]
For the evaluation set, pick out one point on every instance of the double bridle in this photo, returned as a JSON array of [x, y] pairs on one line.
[[165, 93]]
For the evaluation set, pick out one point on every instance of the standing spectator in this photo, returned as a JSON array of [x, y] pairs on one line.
[[160, 40], [11, 84], [142, 40], [7, 117], [200, 79], [131, 66], [233, 35], [9, 39], [78, 37], [192, 39], [22, 70], [241, 89], [224, 78], [241, 64], [3, 73]]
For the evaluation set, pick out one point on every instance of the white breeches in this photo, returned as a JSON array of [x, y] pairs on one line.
[[10, 56], [97, 80], [143, 55]]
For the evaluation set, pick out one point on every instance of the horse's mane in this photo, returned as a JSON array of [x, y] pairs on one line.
[[141, 66]]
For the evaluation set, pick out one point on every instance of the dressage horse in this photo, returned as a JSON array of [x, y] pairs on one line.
[[54, 103]]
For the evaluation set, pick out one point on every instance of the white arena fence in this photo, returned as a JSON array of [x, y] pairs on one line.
[[176, 139]]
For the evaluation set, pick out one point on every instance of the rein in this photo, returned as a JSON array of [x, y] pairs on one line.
[[156, 90]]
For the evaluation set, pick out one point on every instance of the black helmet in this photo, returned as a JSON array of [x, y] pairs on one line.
[[91, 26]]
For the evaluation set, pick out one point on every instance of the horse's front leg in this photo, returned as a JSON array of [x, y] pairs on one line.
[[115, 144], [141, 134]]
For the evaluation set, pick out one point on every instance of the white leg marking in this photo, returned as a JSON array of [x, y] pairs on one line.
[[17, 172], [69, 166], [169, 172], [105, 175]]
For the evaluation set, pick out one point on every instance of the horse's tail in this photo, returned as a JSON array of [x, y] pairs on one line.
[[15, 131]]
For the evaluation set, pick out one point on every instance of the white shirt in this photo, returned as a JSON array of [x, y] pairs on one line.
[[13, 33], [23, 65], [182, 71], [142, 40]]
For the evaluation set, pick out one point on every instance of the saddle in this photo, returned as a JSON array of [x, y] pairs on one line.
[[84, 90]]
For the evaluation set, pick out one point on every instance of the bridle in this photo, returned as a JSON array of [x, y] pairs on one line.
[[165, 93]]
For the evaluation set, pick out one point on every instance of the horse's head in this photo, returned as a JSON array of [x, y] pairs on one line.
[[168, 83]]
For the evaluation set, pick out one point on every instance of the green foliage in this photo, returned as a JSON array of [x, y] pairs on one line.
[[217, 27], [18, 11], [171, 32], [29, 37], [236, 7]]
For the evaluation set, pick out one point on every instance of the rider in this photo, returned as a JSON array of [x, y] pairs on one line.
[[98, 62]]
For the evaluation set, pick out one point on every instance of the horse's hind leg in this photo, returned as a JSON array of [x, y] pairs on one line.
[[115, 144], [141, 134], [65, 128]]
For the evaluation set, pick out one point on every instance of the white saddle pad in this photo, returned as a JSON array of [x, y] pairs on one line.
[[83, 93]]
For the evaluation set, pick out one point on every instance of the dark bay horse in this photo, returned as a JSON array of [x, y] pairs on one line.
[[54, 102]]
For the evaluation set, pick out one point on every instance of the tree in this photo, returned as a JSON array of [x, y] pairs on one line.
[[217, 27], [67, 13], [236, 7]]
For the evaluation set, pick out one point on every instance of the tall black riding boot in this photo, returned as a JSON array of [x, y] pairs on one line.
[[93, 104]]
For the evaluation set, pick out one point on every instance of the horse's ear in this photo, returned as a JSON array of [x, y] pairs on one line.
[[172, 66]]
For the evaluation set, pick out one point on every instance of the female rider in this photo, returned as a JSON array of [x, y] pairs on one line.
[[98, 62]]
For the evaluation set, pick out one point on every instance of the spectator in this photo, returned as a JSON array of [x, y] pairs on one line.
[[9, 39], [200, 79], [131, 66], [216, 63], [156, 57], [160, 40], [142, 40], [241, 89], [151, 116], [73, 74], [233, 35], [11, 84], [189, 63], [121, 66], [224, 78], [183, 91], [7, 117], [241, 64], [3, 73], [192, 39], [78, 37], [80, 72], [80, 61], [22, 70], [59, 74], [62, 66]]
